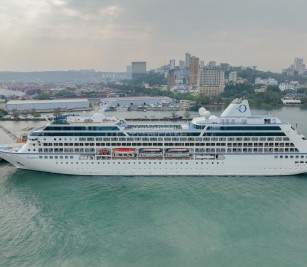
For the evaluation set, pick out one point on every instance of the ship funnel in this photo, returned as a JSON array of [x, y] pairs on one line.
[[237, 108]]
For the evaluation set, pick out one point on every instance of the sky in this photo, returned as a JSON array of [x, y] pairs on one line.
[[107, 35]]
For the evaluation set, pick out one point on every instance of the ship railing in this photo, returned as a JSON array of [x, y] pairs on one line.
[[38, 129], [10, 147], [155, 127]]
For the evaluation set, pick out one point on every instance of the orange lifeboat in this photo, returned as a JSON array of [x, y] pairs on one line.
[[124, 150], [104, 152]]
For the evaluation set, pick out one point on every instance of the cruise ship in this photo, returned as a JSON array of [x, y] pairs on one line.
[[234, 143]]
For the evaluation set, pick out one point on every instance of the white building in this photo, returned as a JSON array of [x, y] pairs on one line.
[[298, 64], [293, 85], [267, 82], [212, 64], [232, 76], [172, 63], [48, 105], [261, 90], [286, 101]]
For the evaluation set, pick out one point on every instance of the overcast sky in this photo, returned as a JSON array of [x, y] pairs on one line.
[[107, 35]]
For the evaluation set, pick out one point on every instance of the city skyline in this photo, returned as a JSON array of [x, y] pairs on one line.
[[108, 35]]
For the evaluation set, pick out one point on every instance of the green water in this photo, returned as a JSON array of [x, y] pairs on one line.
[[59, 220]]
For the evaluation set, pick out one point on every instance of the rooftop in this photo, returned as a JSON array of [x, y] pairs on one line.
[[75, 100], [137, 98]]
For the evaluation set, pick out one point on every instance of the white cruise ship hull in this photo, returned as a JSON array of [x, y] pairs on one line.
[[231, 165]]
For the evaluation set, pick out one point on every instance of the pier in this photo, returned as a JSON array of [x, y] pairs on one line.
[[7, 132]]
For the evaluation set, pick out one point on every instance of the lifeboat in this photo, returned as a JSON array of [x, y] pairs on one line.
[[177, 150], [104, 152], [124, 150], [150, 150]]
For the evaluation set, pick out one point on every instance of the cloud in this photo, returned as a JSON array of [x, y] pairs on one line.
[[111, 33]]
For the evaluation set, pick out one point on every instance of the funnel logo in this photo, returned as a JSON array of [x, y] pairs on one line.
[[242, 108]]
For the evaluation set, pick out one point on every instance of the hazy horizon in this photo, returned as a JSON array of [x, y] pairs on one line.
[[106, 35]]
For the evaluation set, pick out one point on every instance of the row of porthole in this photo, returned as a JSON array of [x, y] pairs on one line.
[[282, 168], [291, 156], [134, 163]]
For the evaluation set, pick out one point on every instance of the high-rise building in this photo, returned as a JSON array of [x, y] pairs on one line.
[[201, 76], [181, 67], [138, 69], [194, 71], [232, 76], [181, 64], [212, 63], [298, 64], [172, 64], [171, 77], [187, 60], [202, 64], [225, 66], [129, 71], [187, 67], [213, 81]]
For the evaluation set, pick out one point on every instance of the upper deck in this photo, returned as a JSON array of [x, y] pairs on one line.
[[237, 117]]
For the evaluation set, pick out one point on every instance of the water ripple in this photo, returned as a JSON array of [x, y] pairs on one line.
[[58, 220]]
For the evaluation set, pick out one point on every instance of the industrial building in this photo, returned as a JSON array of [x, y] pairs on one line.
[[137, 101], [48, 105]]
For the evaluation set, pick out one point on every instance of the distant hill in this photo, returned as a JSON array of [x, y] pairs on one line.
[[251, 74], [54, 76]]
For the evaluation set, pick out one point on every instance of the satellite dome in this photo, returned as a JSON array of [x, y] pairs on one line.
[[207, 114], [202, 111]]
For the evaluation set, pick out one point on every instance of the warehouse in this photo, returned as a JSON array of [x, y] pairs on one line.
[[137, 101], [48, 105]]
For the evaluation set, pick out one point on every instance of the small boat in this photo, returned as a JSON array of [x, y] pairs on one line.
[[177, 152], [124, 150], [104, 152], [150, 152]]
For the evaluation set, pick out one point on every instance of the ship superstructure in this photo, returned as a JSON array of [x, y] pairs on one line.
[[234, 143]]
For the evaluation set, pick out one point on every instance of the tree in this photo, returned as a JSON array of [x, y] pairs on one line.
[[57, 112], [174, 115], [25, 114], [304, 100], [15, 114], [33, 112], [3, 113], [187, 114], [42, 97]]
